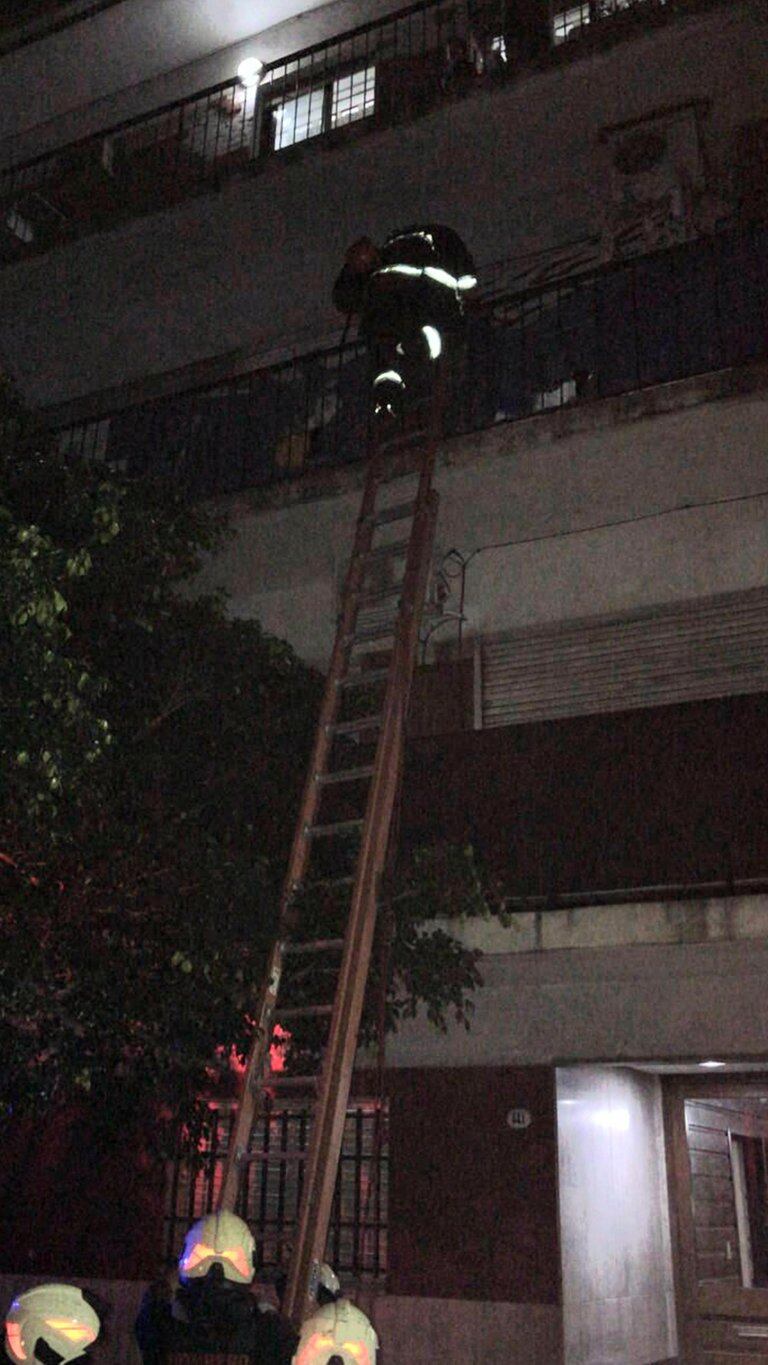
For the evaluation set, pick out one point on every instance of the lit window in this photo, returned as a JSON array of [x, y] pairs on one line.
[[569, 22], [299, 119], [331, 105], [354, 97], [20, 227], [499, 47], [556, 397]]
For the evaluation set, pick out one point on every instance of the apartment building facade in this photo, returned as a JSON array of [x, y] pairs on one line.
[[565, 1181]]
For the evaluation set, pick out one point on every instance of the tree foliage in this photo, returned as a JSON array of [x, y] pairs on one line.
[[153, 751]]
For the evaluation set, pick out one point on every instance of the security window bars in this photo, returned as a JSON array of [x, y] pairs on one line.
[[299, 119], [354, 97], [330, 105], [569, 22], [269, 1200]]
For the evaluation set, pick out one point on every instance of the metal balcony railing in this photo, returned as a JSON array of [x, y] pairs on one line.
[[387, 72], [684, 311]]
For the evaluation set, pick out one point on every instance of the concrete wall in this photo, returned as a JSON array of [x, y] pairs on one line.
[[512, 169], [614, 1219], [684, 1000], [635, 508]]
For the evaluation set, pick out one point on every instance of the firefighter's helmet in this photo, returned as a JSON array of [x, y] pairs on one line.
[[221, 1239], [328, 1285], [52, 1324], [337, 1334]]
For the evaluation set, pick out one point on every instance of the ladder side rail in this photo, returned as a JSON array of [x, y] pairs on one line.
[[330, 1113], [297, 862]]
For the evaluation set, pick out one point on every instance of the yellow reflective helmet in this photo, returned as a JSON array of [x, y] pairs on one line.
[[220, 1239], [337, 1332], [58, 1314]]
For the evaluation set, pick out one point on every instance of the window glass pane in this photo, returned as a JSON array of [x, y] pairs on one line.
[[298, 119], [569, 22], [354, 96]]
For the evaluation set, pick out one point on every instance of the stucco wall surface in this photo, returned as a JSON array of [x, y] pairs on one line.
[[511, 169], [665, 507], [684, 1001]]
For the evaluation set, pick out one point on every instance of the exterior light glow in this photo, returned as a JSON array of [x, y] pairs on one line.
[[466, 282], [710, 1066], [616, 1120], [249, 72], [434, 341]]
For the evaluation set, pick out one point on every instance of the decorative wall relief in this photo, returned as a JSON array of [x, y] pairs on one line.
[[661, 189]]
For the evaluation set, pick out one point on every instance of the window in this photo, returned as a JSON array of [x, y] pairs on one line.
[[299, 119], [331, 105], [750, 1186], [569, 22], [357, 1237], [353, 97]]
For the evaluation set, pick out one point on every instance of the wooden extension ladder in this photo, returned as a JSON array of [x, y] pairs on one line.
[[335, 970]]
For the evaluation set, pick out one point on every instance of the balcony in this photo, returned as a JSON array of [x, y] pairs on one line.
[[382, 74], [689, 310]]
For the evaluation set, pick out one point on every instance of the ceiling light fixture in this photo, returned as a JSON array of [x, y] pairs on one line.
[[249, 72]]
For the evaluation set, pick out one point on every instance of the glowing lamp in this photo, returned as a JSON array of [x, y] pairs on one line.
[[249, 72]]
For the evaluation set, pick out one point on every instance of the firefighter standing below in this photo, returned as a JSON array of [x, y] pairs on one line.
[[52, 1324], [337, 1333], [410, 300], [214, 1311]]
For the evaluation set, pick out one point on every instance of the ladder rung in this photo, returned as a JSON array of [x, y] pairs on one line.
[[382, 595], [380, 632], [302, 1012], [360, 676], [327, 883], [278, 1153], [397, 512], [345, 775], [338, 827], [284, 1081], [353, 727], [395, 547], [317, 945]]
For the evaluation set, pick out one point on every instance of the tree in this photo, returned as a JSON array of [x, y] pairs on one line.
[[155, 749]]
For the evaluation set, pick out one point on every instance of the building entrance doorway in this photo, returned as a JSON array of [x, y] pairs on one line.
[[717, 1163]]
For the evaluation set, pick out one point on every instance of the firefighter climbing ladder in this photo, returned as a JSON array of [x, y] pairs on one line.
[[299, 955]]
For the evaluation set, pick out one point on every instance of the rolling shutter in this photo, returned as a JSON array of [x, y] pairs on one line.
[[712, 647]]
